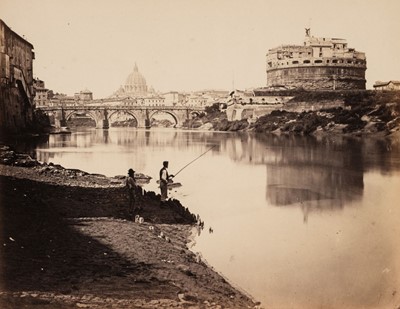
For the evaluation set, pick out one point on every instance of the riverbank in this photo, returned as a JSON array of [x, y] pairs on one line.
[[68, 241], [358, 113]]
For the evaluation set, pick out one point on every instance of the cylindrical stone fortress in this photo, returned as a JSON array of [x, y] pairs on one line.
[[319, 64]]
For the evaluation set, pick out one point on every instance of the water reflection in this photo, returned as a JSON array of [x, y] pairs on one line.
[[313, 173], [327, 171], [304, 174], [255, 191]]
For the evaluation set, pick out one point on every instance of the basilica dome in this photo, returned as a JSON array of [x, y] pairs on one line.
[[136, 79], [135, 85]]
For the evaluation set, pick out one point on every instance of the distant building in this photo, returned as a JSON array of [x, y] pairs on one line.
[[256, 97], [83, 96], [41, 93], [173, 98], [154, 100], [390, 85], [213, 96], [62, 100], [16, 81], [318, 64], [135, 86], [197, 100], [203, 98]]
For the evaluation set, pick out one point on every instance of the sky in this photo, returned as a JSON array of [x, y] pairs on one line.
[[183, 45]]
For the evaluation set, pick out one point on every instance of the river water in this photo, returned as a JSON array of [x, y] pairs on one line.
[[297, 222]]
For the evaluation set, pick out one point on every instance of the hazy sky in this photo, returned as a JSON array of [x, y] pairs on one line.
[[192, 45]]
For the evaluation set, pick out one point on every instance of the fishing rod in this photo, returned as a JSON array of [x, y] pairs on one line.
[[193, 160]]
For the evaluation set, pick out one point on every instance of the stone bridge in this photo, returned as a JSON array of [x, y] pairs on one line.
[[102, 114]]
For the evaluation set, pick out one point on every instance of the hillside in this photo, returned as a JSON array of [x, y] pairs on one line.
[[357, 112]]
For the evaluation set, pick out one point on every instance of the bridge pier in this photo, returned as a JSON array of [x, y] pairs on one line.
[[102, 124], [106, 123], [147, 121], [101, 118], [63, 120], [102, 114], [59, 119], [57, 123]]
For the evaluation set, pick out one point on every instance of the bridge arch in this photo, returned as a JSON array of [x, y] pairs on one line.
[[129, 112], [101, 113], [178, 122], [95, 115]]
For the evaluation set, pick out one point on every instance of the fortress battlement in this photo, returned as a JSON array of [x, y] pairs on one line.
[[320, 63]]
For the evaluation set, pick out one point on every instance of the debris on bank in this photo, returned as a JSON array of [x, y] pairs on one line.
[[69, 241], [316, 112], [383, 119], [110, 190]]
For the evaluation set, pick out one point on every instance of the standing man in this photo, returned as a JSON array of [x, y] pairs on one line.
[[131, 186], [164, 179]]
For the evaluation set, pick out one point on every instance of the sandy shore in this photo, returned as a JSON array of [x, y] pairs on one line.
[[68, 241]]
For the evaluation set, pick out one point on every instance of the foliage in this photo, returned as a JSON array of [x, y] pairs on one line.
[[40, 121], [213, 109], [379, 109]]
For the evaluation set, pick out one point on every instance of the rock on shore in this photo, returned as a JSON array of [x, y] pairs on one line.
[[358, 112], [68, 241]]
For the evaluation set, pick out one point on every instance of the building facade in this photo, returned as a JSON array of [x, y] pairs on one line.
[[16, 81], [318, 64], [41, 93], [83, 96], [390, 85], [173, 98]]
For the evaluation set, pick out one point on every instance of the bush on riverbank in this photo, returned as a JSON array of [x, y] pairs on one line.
[[363, 112], [81, 122], [360, 119], [215, 119]]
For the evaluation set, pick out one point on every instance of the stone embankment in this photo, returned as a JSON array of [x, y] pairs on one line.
[[68, 241]]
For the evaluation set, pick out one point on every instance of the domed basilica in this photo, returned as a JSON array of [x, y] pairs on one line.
[[135, 86]]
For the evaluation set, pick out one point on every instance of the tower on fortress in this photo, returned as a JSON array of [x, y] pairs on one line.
[[319, 64]]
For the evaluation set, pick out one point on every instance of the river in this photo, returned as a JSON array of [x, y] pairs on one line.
[[297, 222]]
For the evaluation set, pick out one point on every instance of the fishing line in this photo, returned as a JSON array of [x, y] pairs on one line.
[[193, 160]]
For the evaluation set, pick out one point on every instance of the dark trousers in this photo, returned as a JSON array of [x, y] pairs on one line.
[[132, 200]]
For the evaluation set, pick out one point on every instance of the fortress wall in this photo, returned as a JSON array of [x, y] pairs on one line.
[[318, 78], [300, 107]]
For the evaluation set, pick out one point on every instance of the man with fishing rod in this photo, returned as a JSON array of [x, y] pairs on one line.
[[165, 178]]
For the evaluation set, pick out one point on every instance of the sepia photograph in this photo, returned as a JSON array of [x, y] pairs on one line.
[[200, 154]]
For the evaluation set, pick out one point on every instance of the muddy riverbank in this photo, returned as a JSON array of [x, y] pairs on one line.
[[68, 241]]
